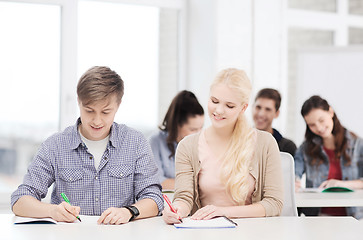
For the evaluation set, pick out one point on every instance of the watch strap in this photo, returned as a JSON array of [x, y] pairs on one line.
[[134, 212]]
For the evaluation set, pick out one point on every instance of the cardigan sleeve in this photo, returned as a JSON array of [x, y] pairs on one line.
[[272, 187], [184, 172]]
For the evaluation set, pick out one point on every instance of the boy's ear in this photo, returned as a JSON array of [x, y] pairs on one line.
[[277, 114]]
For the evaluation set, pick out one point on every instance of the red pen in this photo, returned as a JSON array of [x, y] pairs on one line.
[[171, 206]]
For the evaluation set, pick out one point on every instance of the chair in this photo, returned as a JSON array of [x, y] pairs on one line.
[[288, 171]]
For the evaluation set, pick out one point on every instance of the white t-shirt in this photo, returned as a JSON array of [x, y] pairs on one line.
[[96, 148]]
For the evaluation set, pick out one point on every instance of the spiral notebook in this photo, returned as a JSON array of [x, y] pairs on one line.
[[218, 222]]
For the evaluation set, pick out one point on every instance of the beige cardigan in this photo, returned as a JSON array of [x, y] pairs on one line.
[[265, 168]]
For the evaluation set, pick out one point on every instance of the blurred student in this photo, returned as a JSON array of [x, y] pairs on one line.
[[228, 169], [265, 109], [331, 155], [184, 116], [104, 168]]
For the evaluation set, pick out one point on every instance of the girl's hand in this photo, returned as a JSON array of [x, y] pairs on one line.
[[170, 217], [297, 185], [331, 183], [208, 212]]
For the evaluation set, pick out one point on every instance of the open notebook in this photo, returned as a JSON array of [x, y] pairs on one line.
[[219, 222], [24, 220]]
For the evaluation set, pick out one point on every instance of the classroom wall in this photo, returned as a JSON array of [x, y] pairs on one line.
[[229, 33], [336, 74]]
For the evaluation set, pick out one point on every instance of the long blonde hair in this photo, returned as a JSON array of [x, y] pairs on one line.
[[237, 159]]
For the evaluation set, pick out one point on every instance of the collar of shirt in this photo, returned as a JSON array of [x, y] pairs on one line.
[[276, 135], [116, 136]]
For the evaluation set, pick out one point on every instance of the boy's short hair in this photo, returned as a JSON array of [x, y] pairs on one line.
[[99, 83], [272, 94]]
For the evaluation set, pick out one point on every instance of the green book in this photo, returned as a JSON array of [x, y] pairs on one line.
[[337, 189]]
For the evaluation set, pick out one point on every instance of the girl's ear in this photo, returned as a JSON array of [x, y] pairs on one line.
[[244, 108], [331, 112]]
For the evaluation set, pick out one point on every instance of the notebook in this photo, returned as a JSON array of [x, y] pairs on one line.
[[25, 220], [218, 222]]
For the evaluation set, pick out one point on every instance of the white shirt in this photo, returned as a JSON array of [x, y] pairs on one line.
[[96, 148]]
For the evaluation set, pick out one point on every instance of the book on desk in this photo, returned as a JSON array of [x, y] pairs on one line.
[[326, 190]]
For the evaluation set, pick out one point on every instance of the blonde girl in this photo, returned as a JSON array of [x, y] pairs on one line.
[[228, 169]]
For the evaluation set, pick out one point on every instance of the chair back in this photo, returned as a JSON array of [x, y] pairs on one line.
[[288, 171]]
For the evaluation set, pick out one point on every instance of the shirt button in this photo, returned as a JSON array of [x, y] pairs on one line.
[[96, 177], [96, 199], [105, 158], [90, 158], [121, 175], [70, 179]]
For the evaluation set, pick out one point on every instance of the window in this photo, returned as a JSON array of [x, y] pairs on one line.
[[125, 38], [29, 96], [45, 48]]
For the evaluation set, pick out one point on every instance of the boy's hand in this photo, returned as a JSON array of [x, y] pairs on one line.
[[64, 212], [115, 216]]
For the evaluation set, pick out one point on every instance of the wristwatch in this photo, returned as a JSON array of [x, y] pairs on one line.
[[134, 212]]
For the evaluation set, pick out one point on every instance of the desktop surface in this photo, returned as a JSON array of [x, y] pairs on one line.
[[155, 228], [329, 199]]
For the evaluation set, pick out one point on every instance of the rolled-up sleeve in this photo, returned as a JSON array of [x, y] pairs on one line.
[[155, 147], [146, 181], [39, 177]]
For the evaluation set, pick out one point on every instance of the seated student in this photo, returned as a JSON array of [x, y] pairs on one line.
[[228, 169], [184, 116], [265, 110], [330, 154], [104, 168]]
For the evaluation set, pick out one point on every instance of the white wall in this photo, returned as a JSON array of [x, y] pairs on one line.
[[269, 44], [232, 33], [201, 47], [335, 74]]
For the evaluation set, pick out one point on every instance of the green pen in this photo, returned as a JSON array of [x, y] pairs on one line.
[[67, 201]]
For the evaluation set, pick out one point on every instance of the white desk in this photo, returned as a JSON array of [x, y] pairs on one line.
[[154, 228], [337, 199]]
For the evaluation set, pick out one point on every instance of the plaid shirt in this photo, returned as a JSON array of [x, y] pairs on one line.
[[127, 172]]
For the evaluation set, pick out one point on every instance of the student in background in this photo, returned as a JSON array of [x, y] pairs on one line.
[[184, 116], [331, 155], [104, 168], [228, 169], [265, 109]]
